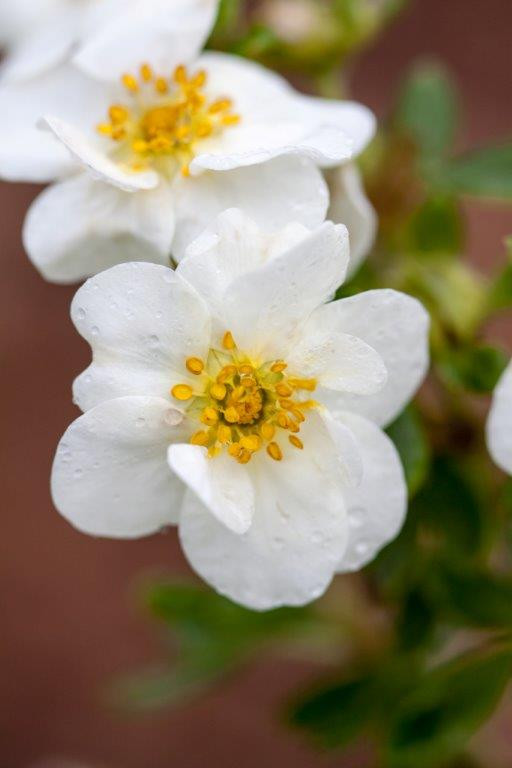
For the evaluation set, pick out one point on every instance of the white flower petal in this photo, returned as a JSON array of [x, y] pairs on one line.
[[91, 155], [397, 327], [271, 194], [356, 121], [377, 507], [297, 537], [27, 153], [499, 424], [253, 143], [232, 246], [350, 206], [44, 46], [338, 361], [79, 227], [263, 307], [110, 476], [142, 322], [16, 19], [163, 33], [222, 484]]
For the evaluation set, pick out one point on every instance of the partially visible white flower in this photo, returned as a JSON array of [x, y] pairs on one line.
[[499, 423], [350, 206], [102, 37], [228, 399], [161, 157]]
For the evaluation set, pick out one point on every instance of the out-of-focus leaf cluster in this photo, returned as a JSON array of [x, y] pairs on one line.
[[445, 584]]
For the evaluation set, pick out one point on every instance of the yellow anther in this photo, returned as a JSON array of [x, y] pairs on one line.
[[185, 171], [244, 456], [180, 75], [296, 441], [105, 129], [251, 443], [199, 79], [293, 426], [161, 85], [283, 390], [218, 391], [235, 450], [226, 373], [279, 366], [282, 419], [246, 369], [231, 415], [200, 438], [195, 365], [298, 416], [223, 434], [308, 384], [238, 393], [214, 450], [146, 73], [267, 431], [140, 146], [118, 114], [210, 417], [248, 382], [288, 405], [203, 131], [130, 83], [221, 105], [228, 341], [230, 119], [182, 392], [274, 451], [118, 133]]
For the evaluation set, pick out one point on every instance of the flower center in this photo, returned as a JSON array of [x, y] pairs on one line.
[[242, 405], [165, 120]]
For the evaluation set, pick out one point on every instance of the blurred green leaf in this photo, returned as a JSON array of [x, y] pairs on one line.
[[500, 291], [427, 109], [484, 172], [338, 712], [437, 227], [213, 634], [448, 512], [473, 597], [416, 620], [409, 437], [446, 707], [476, 369]]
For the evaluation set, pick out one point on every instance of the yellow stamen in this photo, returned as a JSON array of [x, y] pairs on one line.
[[283, 390], [251, 443], [274, 451], [234, 450], [223, 434], [210, 417], [130, 83], [308, 384], [118, 114], [231, 415], [297, 442], [146, 73], [182, 392], [200, 438], [228, 341], [161, 85], [279, 366], [195, 365], [267, 431], [244, 456], [218, 391]]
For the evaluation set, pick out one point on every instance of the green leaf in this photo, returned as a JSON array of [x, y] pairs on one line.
[[437, 227], [427, 110], [446, 707], [416, 621], [448, 512], [476, 369], [500, 291], [473, 597], [485, 172], [410, 440]]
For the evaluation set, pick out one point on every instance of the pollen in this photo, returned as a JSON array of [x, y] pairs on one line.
[[244, 406], [165, 120]]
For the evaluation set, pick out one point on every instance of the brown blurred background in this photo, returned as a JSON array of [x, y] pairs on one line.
[[68, 619]]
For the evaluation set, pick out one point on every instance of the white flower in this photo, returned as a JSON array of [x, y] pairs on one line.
[[499, 423], [155, 155], [100, 36], [228, 399]]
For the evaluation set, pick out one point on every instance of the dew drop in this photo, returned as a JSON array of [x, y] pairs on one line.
[[77, 474], [140, 422], [80, 314], [95, 330]]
